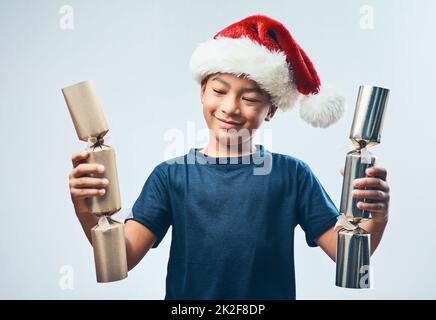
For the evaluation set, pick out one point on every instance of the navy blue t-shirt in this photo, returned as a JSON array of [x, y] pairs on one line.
[[233, 222]]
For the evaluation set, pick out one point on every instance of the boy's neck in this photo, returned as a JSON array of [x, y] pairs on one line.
[[218, 150]]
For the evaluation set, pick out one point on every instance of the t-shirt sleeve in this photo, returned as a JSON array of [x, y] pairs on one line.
[[153, 208], [316, 211]]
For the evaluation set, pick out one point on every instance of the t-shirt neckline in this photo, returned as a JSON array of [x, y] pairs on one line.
[[249, 159]]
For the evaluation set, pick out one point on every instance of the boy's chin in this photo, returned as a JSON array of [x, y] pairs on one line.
[[233, 131], [222, 133], [232, 138]]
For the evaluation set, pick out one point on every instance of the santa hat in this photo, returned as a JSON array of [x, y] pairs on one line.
[[263, 50]]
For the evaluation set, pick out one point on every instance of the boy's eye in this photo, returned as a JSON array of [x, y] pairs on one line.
[[250, 100]]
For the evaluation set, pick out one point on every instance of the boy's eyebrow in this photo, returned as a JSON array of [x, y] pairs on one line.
[[251, 89]]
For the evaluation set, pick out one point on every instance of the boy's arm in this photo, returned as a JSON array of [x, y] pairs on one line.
[[377, 190], [139, 239], [327, 241]]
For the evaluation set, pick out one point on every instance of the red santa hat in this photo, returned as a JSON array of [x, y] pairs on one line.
[[263, 50]]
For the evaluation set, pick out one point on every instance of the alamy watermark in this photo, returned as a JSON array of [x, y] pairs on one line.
[[367, 17], [66, 280], [66, 21], [366, 280]]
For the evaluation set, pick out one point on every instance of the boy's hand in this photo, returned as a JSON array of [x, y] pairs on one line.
[[377, 193], [81, 185]]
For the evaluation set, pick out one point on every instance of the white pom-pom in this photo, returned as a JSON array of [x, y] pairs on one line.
[[324, 108]]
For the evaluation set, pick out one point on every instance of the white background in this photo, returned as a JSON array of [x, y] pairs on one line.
[[137, 55]]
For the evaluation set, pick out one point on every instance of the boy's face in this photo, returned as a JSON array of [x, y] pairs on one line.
[[234, 104]]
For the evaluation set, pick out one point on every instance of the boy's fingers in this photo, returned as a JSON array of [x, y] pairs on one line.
[[88, 182], [373, 207], [79, 157], [342, 170], [377, 172], [87, 193], [375, 183], [86, 168], [377, 195]]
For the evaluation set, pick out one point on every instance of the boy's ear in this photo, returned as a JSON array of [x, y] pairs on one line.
[[271, 112]]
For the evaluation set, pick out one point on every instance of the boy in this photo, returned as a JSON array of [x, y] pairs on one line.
[[233, 216]]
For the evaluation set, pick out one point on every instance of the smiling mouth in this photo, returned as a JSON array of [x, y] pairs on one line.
[[232, 123]]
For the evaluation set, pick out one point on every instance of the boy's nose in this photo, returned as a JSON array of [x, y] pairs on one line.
[[230, 107]]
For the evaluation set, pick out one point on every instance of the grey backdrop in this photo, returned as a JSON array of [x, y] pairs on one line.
[[137, 54]]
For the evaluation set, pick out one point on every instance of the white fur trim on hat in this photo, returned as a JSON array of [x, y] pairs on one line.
[[244, 56], [324, 108]]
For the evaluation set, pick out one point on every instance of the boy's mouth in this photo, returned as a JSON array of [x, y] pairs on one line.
[[228, 123]]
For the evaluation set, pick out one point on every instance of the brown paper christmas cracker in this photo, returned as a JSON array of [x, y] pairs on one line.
[[91, 126], [113, 266], [108, 235], [85, 110], [110, 202]]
